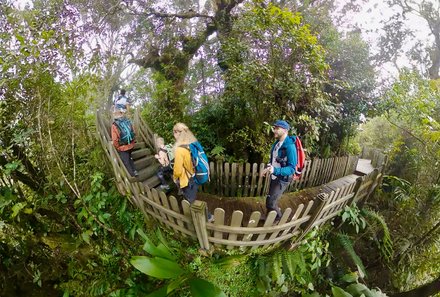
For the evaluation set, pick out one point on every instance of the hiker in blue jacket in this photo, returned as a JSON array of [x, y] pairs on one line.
[[281, 167], [122, 102]]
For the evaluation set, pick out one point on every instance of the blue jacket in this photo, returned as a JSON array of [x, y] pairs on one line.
[[287, 157]]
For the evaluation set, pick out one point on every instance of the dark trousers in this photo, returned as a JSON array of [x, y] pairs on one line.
[[163, 172], [190, 191], [276, 189], [128, 161]]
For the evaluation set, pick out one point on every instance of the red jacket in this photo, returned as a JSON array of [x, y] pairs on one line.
[[115, 140]]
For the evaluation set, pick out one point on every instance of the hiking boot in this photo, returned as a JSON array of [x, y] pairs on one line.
[[211, 218], [164, 187]]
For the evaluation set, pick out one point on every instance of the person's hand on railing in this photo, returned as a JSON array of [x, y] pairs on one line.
[[269, 169]]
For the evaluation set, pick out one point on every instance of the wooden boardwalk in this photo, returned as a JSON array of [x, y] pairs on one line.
[[331, 184], [364, 167]]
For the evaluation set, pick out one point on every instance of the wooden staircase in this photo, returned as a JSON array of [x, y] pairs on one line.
[[143, 153]]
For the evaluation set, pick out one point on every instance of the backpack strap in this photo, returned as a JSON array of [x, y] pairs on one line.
[[188, 174]]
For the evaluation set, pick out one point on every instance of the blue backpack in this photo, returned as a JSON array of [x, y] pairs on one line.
[[126, 132], [200, 163]]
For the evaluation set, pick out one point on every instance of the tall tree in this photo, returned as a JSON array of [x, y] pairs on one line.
[[427, 11], [170, 39]]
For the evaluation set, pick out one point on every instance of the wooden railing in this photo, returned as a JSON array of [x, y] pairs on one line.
[[189, 220], [246, 180], [378, 157]]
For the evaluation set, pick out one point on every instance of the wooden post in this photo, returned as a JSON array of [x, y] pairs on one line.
[[321, 201], [356, 190], [198, 214], [370, 190]]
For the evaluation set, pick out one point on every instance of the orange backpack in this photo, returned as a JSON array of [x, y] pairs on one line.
[[301, 157]]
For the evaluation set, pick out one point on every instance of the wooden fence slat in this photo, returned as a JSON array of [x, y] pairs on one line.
[[237, 217], [314, 172], [247, 184], [166, 204], [219, 216], [240, 184], [220, 178], [269, 222], [233, 180], [212, 185], [260, 190], [253, 191], [186, 206], [226, 184], [175, 207], [294, 217], [253, 222], [302, 183], [283, 220], [328, 170], [156, 199]]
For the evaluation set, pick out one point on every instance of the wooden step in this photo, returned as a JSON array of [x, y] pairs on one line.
[[148, 172], [137, 154], [144, 162], [152, 182], [139, 145]]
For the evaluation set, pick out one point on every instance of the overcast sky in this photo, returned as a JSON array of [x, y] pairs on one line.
[[369, 20]]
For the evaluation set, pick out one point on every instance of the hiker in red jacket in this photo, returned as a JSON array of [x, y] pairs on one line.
[[123, 138]]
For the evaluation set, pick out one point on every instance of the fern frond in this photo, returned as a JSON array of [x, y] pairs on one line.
[[347, 245], [385, 244]]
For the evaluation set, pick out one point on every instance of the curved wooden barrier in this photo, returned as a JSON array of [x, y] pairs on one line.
[[339, 188]]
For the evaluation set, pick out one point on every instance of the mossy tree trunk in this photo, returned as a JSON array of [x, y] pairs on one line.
[[172, 61]]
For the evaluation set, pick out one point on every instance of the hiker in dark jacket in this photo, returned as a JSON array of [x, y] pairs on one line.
[[123, 141], [281, 167]]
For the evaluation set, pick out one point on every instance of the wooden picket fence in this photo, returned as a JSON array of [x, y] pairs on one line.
[[339, 188], [189, 220], [246, 180]]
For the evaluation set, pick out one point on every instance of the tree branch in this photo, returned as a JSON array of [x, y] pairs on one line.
[[426, 290], [28, 180], [185, 15]]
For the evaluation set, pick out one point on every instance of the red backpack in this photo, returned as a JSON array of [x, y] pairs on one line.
[[301, 157]]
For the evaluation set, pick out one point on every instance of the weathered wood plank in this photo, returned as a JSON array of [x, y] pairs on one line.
[[213, 179], [233, 180], [237, 217], [175, 207], [219, 216], [261, 179], [220, 178], [240, 181], [253, 222], [254, 175], [313, 172], [226, 184], [268, 223], [282, 221], [247, 183], [295, 216]]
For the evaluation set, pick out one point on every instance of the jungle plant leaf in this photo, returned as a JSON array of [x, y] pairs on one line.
[[203, 288], [157, 267]]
